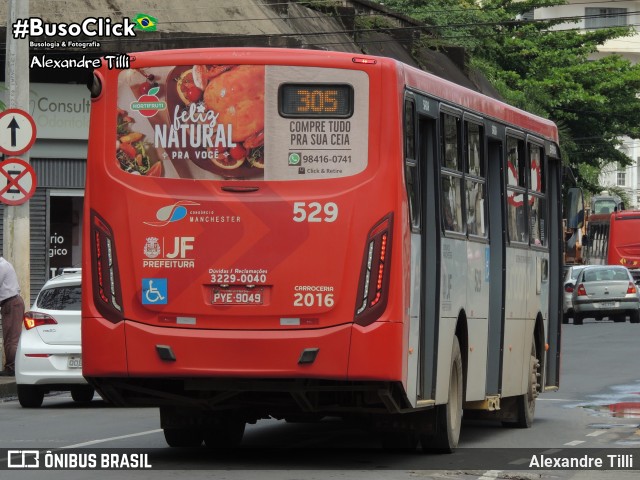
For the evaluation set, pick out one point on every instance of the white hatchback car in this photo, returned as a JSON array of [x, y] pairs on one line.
[[49, 356], [569, 285]]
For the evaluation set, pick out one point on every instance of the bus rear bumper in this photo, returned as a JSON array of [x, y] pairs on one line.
[[343, 352]]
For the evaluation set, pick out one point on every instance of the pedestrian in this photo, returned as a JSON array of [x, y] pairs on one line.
[[12, 310]]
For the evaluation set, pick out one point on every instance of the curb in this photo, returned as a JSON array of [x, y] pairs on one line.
[[8, 389]]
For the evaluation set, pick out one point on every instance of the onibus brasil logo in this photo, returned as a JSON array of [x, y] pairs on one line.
[[148, 103]]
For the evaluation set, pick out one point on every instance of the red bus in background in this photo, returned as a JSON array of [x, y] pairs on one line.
[[624, 240], [297, 234], [613, 238]]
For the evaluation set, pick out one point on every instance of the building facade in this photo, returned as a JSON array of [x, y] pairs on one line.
[[61, 114], [592, 15]]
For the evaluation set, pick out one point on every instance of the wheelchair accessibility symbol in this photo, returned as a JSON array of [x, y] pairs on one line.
[[154, 291]]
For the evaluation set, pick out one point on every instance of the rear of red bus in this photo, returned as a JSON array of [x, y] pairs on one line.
[[244, 227], [624, 240]]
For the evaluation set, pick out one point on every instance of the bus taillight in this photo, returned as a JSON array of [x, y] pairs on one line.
[[374, 276], [104, 269]]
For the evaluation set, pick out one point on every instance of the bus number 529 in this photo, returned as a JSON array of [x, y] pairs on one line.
[[315, 212]]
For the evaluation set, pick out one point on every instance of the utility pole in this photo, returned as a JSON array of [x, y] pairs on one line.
[[16, 228]]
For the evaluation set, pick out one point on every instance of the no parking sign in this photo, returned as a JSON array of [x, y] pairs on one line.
[[17, 181]]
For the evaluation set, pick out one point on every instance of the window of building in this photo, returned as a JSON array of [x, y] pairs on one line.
[[65, 230], [597, 17], [621, 178]]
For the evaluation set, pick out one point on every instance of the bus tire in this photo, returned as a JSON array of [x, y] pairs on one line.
[[183, 437], [30, 396], [227, 434], [526, 403], [448, 417], [399, 441], [577, 319], [634, 317]]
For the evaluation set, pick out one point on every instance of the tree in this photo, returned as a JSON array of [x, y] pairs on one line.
[[549, 72]]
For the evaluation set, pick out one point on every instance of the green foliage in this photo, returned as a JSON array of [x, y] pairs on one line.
[[321, 5], [553, 73], [373, 22], [620, 192]]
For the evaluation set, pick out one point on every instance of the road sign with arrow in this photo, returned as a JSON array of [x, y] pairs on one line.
[[17, 131]]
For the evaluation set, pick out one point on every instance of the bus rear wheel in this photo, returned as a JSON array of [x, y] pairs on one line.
[[399, 441], [183, 437], [526, 403], [448, 417], [227, 434]]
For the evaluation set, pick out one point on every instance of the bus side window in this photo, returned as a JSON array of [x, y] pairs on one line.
[[452, 204], [474, 181], [411, 164], [516, 191], [537, 200], [451, 157], [451, 175]]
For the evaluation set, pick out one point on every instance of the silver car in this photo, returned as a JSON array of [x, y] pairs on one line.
[[605, 291], [569, 285]]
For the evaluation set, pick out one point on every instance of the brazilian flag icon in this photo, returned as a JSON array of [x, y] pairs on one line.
[[145, 22]]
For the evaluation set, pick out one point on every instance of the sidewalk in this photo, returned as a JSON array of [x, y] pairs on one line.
[[7, 384], [8, 387]]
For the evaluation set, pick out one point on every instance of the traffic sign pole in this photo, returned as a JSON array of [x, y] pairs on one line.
[[16, 246]]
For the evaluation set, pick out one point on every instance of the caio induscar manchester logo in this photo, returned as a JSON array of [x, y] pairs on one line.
[[171, 213]]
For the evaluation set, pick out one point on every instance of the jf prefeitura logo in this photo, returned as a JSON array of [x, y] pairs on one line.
[[82, 35]]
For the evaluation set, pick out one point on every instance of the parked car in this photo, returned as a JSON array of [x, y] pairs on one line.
[[569, 282], [605, 291], [49, 356]]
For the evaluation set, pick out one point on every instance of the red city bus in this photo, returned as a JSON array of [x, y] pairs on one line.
[[613, 239], [297, 234], [624, 240]]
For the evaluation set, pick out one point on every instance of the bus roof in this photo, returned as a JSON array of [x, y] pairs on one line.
[[484, 105]]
